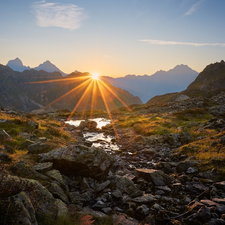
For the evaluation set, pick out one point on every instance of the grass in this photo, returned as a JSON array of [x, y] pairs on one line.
[[209, 151], [151, 125], [50, 128]]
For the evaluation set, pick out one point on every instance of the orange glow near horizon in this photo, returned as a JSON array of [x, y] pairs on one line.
[[95, 76], [90, 90]]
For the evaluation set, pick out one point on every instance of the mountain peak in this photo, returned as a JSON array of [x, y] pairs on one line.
[[49, 67], [17, 65], [16, 62]]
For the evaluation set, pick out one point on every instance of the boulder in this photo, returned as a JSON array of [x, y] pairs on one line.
[[26, 143], [25, 170], [56, 175], [43, 167], [18, 209], [184, 165], [42, 200], [79, 160], [33, 124], [91, 125], [158, 177], [123, 184], [146, 198], [37, 148], [57, 191], [171, 138]]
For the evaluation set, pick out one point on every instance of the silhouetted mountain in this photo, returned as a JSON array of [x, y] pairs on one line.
[[32, 89], [17, 65], [146, 87], [210, 82], [49, 67]]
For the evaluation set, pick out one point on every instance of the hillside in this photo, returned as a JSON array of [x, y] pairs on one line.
[[162, 82], [33, 89], [210, 82]]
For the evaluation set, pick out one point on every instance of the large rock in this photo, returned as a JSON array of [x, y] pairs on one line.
[[146, 198], [26, 143], [184, 165], [79, 160], [158, 177], [123, 184], [17, 210], [91, 125], [37, 148], [42, 200], [25, 170]]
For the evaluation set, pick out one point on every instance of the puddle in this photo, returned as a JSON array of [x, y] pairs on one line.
[[101, 122], [99, 140]]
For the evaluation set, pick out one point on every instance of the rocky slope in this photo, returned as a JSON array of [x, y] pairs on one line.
[[169, 169], [33, 89]]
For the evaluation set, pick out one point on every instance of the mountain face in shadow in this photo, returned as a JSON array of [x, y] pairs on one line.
[[32, 89], [17, 65], [162, 82], [210, 82]]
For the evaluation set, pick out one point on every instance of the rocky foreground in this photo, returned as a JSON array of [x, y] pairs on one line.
[[154, 179]]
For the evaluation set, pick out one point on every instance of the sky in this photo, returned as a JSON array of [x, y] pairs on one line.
[[113, 37]]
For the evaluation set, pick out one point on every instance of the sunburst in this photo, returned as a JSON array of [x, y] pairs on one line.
[[91, 87], [95, 76]]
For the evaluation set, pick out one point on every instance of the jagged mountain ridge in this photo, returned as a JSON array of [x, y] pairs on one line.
[[17, 91], [209, 82], [17, 65], [162, 82]]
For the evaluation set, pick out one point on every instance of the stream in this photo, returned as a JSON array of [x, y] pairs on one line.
[[98, 139]]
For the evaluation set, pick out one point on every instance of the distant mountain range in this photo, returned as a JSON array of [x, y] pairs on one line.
[[31, 89], [145, 87], [162, 82], [17, 65], [210, 82]]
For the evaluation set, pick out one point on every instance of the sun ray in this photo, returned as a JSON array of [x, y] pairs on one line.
[[94, 91], [108, 111], [67, 93], [58, 80], [75, 108], [125, 105]]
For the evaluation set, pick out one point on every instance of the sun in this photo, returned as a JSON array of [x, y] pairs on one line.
[[95, 76]]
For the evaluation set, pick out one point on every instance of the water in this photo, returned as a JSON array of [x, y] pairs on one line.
[[101, 122], [99, 140]]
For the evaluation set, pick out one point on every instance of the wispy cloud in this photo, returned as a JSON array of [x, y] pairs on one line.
[[160, 42], [67, 16], [194, 8]]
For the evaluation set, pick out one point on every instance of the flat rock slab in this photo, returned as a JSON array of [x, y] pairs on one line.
[[43, 167], [147, 198], [208, 202], [158, 177], [219, 200]]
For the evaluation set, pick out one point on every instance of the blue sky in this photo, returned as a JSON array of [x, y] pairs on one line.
[[113, 37]]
